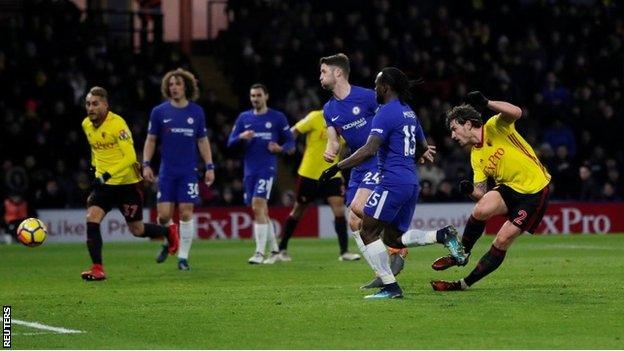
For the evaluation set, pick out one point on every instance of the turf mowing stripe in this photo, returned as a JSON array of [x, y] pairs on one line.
[[46, 327]]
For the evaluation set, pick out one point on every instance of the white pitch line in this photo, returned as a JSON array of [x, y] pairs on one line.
[[46, 327]]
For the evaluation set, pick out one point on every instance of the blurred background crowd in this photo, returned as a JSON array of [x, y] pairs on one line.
[[569, 82]]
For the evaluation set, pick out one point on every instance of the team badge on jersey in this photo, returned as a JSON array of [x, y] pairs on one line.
[[190, 120], [268, 125], [124, 135], [356, 110]]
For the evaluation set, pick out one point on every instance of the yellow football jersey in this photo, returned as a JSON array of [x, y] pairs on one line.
[[506, 157], [313, 164], [112, 150]]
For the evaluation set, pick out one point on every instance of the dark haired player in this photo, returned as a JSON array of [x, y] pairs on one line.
[[117, 179], [264, 133], [521, 192], [349, 113], [398, 139]]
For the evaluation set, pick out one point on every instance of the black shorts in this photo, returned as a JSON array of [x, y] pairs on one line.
[[525, 211], [128, 198], [309, 189]]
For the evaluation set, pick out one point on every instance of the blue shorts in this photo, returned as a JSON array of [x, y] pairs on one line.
[[361, 178], [178, 188], [393, 203], [258, 185]]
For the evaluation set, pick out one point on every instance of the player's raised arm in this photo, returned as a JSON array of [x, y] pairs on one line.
[[509, 112]]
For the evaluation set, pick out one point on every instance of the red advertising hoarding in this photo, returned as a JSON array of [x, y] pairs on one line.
[[575, 218], [237, 222]]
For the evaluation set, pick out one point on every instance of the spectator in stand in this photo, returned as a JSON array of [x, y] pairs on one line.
[[560, 134], [609, 193], [588, 190]]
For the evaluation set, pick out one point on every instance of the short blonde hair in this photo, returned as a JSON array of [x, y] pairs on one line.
[[190, 84], [99, 92]]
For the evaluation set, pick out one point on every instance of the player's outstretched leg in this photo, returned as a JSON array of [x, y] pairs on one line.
[[473, 231]]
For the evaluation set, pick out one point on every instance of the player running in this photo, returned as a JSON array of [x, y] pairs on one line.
[[180, 124], [522, 183], [264, 133], [398, 139], [117, 179]]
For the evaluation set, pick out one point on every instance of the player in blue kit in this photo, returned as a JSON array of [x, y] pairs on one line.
[[264, 133], [349, 113], [180, 125], [397, 138]]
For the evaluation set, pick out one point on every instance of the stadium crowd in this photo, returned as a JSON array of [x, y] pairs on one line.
[[568, 81]]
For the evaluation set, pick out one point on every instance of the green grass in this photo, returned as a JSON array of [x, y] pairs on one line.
[[560, 292]]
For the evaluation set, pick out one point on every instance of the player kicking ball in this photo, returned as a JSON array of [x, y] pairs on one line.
[[397, 138], [522, 183]]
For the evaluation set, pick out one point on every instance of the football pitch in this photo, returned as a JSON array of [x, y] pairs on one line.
[[559, 292]]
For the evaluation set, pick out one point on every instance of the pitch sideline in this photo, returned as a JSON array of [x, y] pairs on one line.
[[37, 325]]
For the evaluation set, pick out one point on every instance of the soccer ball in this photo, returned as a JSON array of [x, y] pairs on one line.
[[32, 232]]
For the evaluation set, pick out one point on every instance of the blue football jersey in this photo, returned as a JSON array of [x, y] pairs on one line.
[[271, 126], [400, 130], [352, 117], [178, 130]]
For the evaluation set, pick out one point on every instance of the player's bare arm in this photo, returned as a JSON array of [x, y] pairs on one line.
[[203, 144], [362, 154], [479, 190], [294, 132], [425, 152], [333, 145], [509, 112], [148, 153]]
